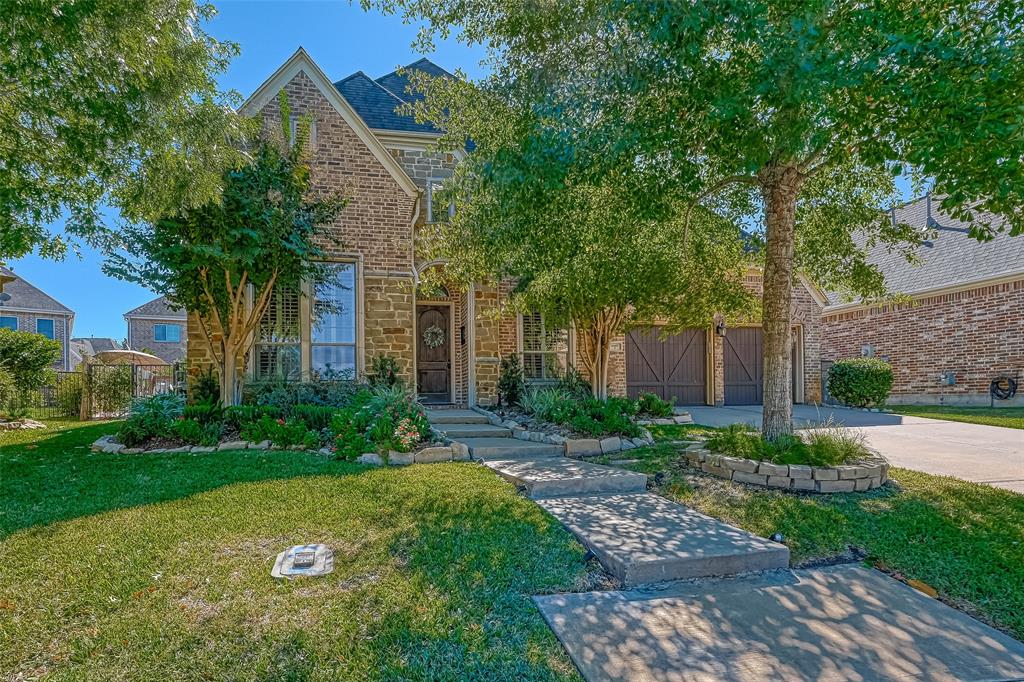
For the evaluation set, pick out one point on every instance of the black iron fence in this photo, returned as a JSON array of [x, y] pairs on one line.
[[103, 391]]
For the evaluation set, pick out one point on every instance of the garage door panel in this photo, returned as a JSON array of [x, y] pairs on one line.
[[671, 368], [743, 364]]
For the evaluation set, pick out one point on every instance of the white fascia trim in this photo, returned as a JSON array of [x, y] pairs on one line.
[[967, 285], [816, 293], [301, 62], [36, 311], [149, 318], [402, 139]]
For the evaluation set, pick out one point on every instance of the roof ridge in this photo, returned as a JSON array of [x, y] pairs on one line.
[[363, 74]]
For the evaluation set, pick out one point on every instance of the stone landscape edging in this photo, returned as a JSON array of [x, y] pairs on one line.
[[845, 478], [571, 447]]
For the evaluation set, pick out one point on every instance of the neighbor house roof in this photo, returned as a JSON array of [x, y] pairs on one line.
[[376, 100], [91, 345], [948, 258], [27, 297], [158, 307]]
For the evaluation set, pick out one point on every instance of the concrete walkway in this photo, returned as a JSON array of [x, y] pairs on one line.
[[973, 452], [840, 623]]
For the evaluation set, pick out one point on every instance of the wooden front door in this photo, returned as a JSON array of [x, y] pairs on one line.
[[674, 367], [744, 366], [433, 353]]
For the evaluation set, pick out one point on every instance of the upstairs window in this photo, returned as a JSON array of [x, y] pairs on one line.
[[294, 131], [8, 322], [45, 327], [438, 210], [167, 333], [545, 349]]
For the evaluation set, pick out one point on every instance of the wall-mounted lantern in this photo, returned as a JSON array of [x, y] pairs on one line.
[[720, 328]]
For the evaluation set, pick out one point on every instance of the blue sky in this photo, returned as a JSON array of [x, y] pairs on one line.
[[341, 38]]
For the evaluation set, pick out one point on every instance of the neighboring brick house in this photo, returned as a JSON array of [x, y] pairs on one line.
[[159, 329], [27, 308], [445, 340], [960, 326]]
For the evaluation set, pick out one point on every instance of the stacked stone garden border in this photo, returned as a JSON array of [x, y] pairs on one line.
[[574, 447], [847, 478], [429, 454]]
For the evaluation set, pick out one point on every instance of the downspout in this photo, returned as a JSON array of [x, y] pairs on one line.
[[471, 342]]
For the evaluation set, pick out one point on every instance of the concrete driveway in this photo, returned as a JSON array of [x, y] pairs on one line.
[[973, 452]]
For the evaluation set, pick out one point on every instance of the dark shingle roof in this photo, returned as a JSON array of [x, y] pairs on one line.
[[376, 100], [158, 307], [949, 256], [90, 346], [25, 296]]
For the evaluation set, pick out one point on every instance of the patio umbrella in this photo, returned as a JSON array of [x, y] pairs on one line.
[[128, 357]]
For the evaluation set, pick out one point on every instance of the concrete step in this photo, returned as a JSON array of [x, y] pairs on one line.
[[561, 476], [642, 538], [455, 417], [460, 431], [509, 448]]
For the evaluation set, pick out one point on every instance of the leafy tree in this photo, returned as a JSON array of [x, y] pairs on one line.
[[795, 114], [264, 232], [26, 361], [577, 248], [107, 101]]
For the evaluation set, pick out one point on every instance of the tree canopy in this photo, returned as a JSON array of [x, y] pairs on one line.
[[265, 231], [794, 115], [107, 102]]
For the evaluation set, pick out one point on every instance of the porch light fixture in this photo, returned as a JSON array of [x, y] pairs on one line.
[[720, 328]]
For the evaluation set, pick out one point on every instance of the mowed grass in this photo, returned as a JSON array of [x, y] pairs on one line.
[[966, 540], [1009, 417], [158, 567]]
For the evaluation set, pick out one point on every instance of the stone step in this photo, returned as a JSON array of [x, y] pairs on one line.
[[460, 431], [509, 448], [642, 538], [560, 476], [456, 417]]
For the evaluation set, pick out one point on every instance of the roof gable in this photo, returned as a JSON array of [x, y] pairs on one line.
[[158, 307], [300, 62], [26, 296]]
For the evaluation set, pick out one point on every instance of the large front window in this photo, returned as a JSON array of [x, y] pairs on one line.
[[545, 349], [278, 342], [333, 324]]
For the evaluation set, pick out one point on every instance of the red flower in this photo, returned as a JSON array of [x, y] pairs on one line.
[[281, 422]]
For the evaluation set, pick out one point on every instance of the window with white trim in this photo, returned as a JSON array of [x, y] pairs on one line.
[[278, 350], [293, 130], [167, 333], [333, 324], [438, 209], [8, 322], [45, 327], [545, 349]]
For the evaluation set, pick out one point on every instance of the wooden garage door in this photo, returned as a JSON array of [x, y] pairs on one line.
[[671, 368], [744, 370]]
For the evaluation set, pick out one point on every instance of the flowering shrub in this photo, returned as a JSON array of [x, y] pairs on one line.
[[383, 419], [285, 433], [406, 435]]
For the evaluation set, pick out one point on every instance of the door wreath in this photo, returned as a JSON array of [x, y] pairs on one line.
[[433, 336]]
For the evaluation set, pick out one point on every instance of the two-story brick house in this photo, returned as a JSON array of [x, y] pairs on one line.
[[158, 328], [446, 342], [28, 308]]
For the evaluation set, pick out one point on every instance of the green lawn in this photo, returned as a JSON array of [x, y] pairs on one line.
[[1010, 417], [965, 540], [157, 567]]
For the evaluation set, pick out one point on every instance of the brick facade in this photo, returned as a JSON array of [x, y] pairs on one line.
[[142, 337], [61, 327], [973, 333]]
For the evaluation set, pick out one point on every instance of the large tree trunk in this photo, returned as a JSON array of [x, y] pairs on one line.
[[780, 186], [228, 377], [594, 338]]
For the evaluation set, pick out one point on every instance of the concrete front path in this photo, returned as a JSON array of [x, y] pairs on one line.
[[972, 452], [840, 623]]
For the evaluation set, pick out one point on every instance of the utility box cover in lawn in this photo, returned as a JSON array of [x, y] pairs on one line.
[[308, 560]]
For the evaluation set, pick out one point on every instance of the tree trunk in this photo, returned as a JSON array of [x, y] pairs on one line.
[[780, 186], [228, 378], [594, 338]]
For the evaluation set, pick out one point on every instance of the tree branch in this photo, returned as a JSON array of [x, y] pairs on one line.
[[714, 189]]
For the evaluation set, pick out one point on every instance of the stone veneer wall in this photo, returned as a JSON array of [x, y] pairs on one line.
[[488, 344], [974, 333], [374, 228]]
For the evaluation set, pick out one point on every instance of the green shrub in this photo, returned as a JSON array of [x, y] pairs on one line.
[[281, 432], [386, 418], [860, 382], [383, 371], [315, 417], [110, 388], [204, 413], [204, 388], [584, 415], [651, 404], [69, 390], [285, 394], [542, 403], [574, 384], [831, 445], [511, 386], [192, 432], [237, 416], [787, 449], [736, 440], [150, 418]]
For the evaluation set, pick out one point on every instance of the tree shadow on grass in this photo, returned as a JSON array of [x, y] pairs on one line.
[[56, 477]]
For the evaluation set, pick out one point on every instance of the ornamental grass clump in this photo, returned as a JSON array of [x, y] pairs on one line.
[[829, 445]]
